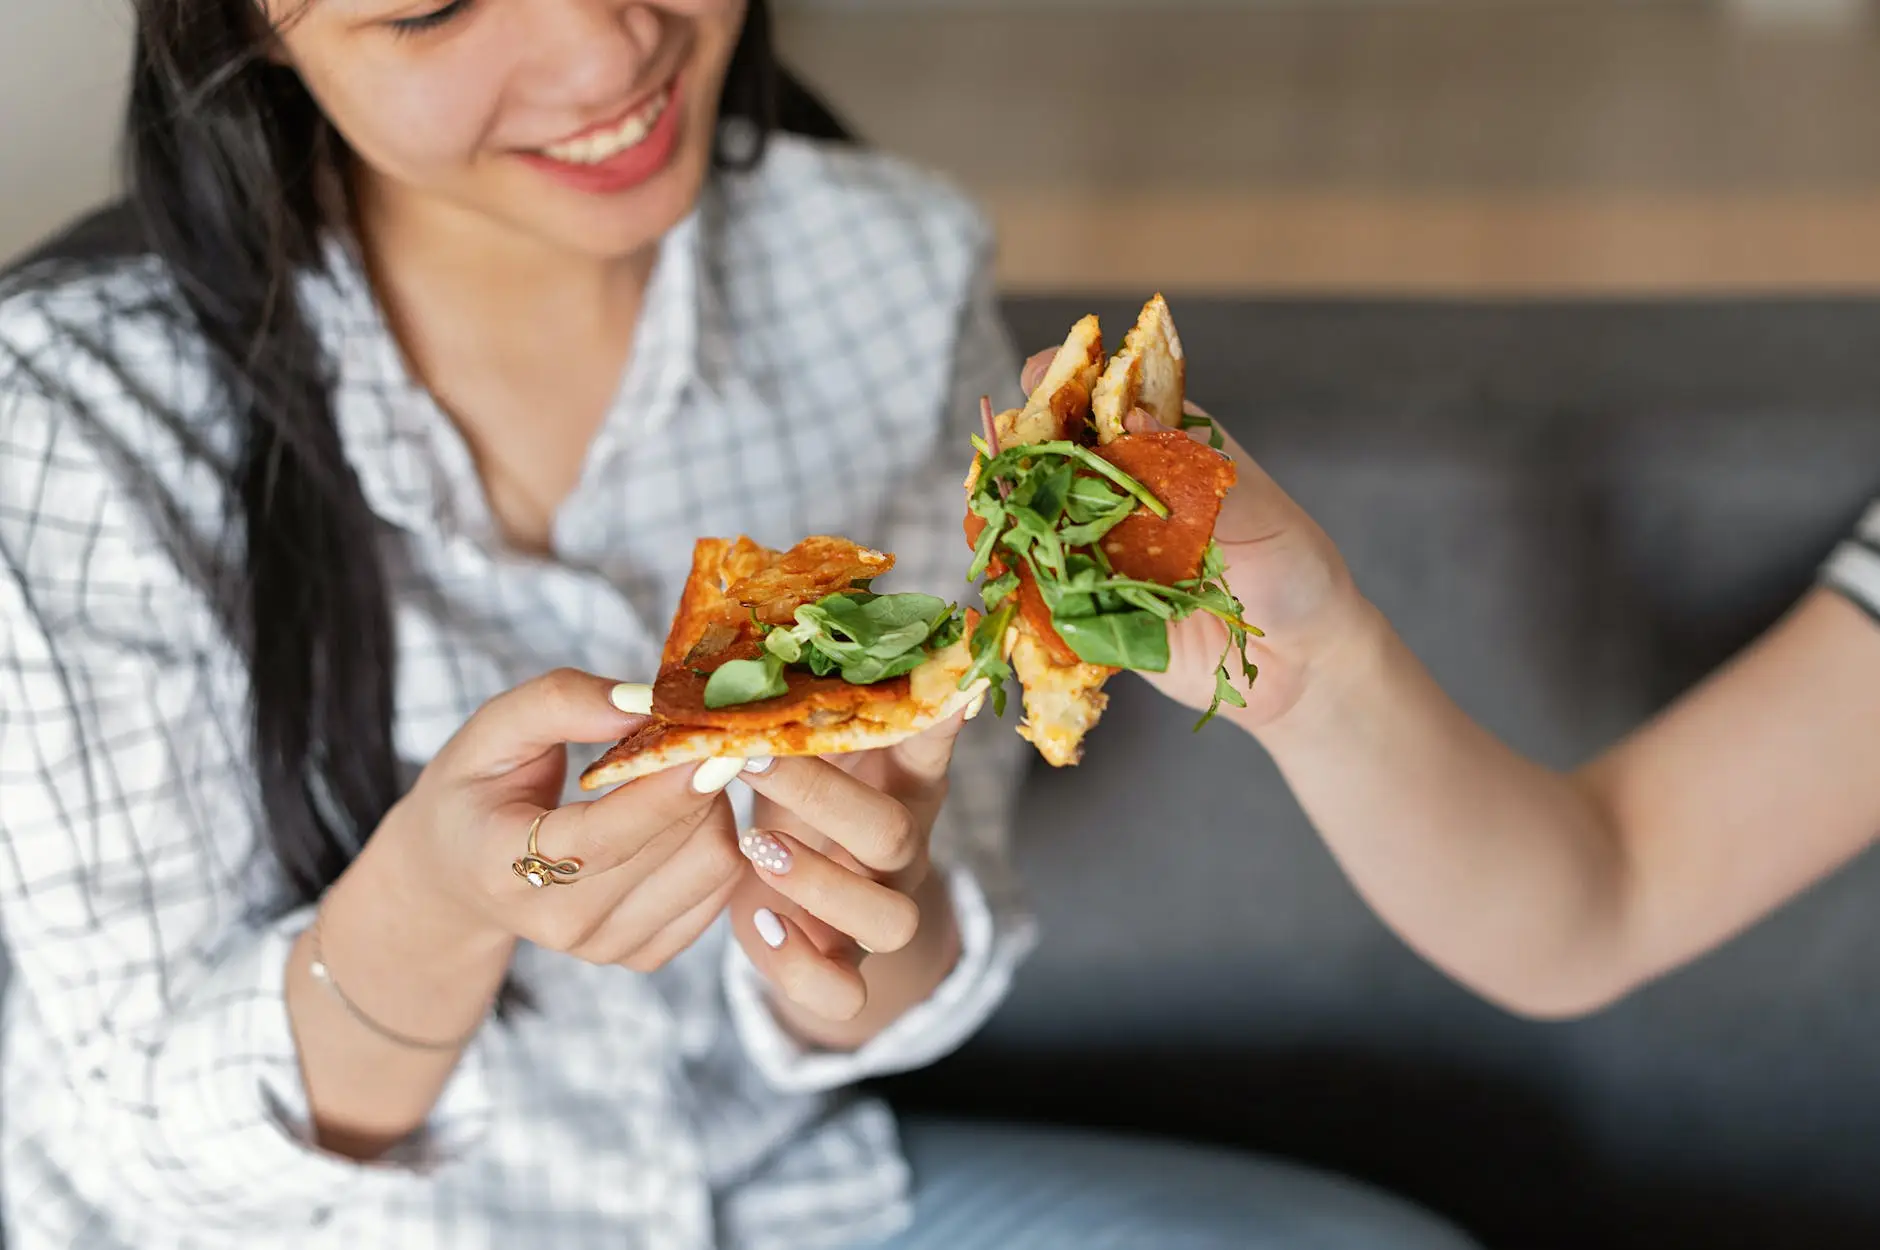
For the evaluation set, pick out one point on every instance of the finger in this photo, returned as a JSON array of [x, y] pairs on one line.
[[613, 830], [707, 861], [926, 756], [679, 936], [1229, 444], [587, 844], [826, 987], [1142, 421], [877, 918], [548, 712], [569, 916], [1034, 370], [878, 831]]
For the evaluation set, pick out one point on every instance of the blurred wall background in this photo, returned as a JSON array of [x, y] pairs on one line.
[[1398, 144], [62, 66], [1499, 146]]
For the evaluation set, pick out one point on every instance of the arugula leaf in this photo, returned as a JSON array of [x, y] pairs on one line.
[[1153, 604], [1010, 463], [949, 632], [1089, 532], [1213, 561], [1075, 593], [745, 681], [1224, 692], [870, 669], [879, 623], [993, 593], [1136, 640], [1044, 491], [783, 644], [1030, 533], [1091, 498], [988, 539], [988, 652], [865, 637]]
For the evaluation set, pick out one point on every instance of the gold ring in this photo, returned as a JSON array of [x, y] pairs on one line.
[[538, 872]]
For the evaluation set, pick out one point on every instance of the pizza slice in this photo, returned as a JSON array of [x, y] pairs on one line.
[[1091, 537], [790, 653]]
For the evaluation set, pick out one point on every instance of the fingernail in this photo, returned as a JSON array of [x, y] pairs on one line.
[[866, 948], [768, 927], [758, 765], [714, 775], [632, 697], [764, 850], [973, 709]]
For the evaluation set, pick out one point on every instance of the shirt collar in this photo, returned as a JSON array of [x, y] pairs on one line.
[[385, 419], [670, 340], [402, 446]]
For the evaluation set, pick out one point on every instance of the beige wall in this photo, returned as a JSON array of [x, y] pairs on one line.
[[61, 92]]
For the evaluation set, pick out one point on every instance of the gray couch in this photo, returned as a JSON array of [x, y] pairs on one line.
[[1571, 512]]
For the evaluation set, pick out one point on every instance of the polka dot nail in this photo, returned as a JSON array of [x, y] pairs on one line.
[[764, 850]]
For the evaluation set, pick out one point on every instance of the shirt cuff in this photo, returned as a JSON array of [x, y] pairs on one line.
[[992, 946], [243, 1077], [458, 1122], [1854, 570]]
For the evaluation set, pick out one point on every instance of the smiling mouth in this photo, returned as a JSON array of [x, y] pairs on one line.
[[599, 146]]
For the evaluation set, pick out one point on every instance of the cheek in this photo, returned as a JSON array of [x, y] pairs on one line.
[[717, 26], [417, 124]]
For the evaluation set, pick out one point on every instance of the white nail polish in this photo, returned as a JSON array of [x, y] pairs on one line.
[[714, 775], [759, 765], [764, 850], [768, 927], [632, 697]]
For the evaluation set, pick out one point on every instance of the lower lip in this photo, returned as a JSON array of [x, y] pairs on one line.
[[625, 170]]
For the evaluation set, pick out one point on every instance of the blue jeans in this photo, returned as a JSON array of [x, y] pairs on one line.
[[989, 1187]]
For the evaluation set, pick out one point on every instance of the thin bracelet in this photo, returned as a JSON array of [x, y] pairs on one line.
[[324, 975]]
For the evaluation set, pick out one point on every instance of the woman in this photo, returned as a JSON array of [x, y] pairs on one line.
[[454, 325], [1552, 895]]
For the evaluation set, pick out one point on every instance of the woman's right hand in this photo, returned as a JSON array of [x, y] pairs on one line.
[[658, 857]]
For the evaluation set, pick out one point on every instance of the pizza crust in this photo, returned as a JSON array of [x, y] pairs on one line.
[[1060, 404], [1148, 372]]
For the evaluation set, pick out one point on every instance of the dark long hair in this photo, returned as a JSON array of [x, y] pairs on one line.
[[230, 166]]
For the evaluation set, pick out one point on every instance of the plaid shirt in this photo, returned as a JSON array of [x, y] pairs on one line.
[[1853, 568], [814, 344]]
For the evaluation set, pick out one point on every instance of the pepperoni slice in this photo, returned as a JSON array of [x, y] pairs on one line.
[[1191, 479]]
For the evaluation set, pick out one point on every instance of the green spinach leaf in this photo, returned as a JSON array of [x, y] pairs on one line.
[[745, 681]]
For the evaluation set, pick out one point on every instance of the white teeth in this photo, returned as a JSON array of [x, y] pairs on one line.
[[611, 143]]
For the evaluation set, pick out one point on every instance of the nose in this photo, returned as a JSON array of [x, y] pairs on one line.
[[593, 53]]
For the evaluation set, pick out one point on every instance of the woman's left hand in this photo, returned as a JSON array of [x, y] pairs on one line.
[[843, 914]]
